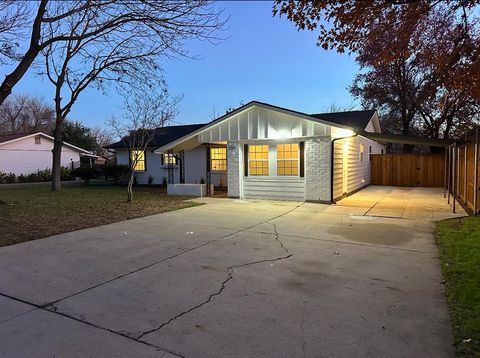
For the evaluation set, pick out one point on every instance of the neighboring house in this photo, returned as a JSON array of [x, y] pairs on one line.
[[26, 153], [267, 152], [156, 165]]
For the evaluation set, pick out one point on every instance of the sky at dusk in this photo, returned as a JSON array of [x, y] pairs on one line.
[[264, 58]]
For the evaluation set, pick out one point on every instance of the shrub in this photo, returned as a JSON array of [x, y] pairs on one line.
[[7, 178], [85, 174], [65, 174], [116, 172], [150, 180]]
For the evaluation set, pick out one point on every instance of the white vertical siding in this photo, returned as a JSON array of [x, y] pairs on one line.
[[262, 123], [23, 156]]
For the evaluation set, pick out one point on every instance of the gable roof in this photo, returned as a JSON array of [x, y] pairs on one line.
[[335, 121], [163, 135], [353, 119], [7, 138]]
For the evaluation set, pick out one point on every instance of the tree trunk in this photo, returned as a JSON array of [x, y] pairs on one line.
[[130, 188], [57, 156]]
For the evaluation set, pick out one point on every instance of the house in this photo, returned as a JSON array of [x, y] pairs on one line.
[[29, 152], [155, 165], [261, 151]]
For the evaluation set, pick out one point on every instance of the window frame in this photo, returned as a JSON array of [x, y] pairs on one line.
[[144, 160], [259, 160], [213, 159], [284, 159]]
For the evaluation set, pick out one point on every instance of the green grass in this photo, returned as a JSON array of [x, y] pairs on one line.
[[32, 211], [459, 244]]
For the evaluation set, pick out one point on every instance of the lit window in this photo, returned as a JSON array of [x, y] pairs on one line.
[[287, 159], [137, 159], [362, 152], [38, 140], [169, 159], [258, 159], [218, 159]]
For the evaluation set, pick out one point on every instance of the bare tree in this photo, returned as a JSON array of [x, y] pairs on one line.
[[117, 44], [335, 107], [103, 137], [23, 114], [47, 23], [145, 113], [13, 18]]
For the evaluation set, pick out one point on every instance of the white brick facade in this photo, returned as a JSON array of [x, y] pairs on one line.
[[317, 169], [234, 169]]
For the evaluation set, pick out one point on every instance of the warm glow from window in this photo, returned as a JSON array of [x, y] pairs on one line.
[[362, 152], [258, 159], [169, 159], [287, 159], [218, 159], [137, 158]]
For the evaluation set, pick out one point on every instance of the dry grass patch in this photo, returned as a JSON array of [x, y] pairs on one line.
[[30, 212]]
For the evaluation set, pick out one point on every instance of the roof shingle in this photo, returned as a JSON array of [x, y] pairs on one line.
[[163, 135]]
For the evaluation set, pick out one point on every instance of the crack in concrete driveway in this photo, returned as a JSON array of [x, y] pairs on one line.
[[229, 270], [148, 293]]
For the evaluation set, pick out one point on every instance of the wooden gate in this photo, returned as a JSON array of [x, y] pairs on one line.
[[408, 169]]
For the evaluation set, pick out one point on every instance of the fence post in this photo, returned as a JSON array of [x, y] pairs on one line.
[[465, 176], [445, 173]]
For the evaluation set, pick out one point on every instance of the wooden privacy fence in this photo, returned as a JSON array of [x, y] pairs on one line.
[[408, 169], [463, 171]]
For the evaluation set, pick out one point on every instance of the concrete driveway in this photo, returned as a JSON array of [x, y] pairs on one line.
[[230, 279]]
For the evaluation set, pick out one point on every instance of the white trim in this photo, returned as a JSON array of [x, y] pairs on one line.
[[47, 136]]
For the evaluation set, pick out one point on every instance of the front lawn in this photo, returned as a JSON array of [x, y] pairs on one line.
[[32, 211], [459, 243]]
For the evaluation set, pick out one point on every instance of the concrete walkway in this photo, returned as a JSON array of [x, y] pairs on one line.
[[230, 278]]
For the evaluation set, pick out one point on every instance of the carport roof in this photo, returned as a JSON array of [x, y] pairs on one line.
[[402, 139]]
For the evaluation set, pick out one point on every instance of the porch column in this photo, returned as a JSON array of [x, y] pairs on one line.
[[170, 179], [181, 157], [208, 174]]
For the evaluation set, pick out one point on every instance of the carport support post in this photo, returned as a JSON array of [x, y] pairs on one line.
[[449, 174], [475, 174], [454, 179]]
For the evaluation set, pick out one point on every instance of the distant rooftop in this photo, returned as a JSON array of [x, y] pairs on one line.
[[354, 119], [163, 135]]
